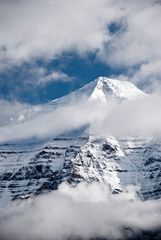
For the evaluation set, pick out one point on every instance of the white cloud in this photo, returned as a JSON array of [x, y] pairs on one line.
[[84, 211], [38, 28], [53, 122], [54, 77], [149, 74], [41, 76], [134, 118], [13, 112], [10, 111], [137, 117], [140, 39]]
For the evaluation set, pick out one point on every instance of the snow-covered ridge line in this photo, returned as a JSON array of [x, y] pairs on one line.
[[107, 88], [103, 89]]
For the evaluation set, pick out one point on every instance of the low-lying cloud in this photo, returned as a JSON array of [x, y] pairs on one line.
[[13, 111], [138, 117], [51, 123], [86, 211], [129, 118]]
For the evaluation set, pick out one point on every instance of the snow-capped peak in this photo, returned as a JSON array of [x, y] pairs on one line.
[[107, 88], [102, 89]]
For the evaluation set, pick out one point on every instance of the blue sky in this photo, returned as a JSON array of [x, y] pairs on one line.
[[50, 48], [18, 82]]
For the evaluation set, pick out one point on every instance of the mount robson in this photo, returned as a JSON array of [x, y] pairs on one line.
[[83, 166]]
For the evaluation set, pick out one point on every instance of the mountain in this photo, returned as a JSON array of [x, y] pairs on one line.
[[33, 168], [103, 89]]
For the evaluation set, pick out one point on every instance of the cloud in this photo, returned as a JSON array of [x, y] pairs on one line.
[[149, 75], [139, 39], [129, 118], [41, 76], [54, 76], [37, 28], [140, 117], [135, 46], [13, 111], [48, 28], [87, 211], [52, 121]]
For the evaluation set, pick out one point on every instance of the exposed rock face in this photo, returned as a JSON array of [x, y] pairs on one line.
[[119, 164], [32, 169]]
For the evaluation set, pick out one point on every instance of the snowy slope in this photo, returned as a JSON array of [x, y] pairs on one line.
[[24, 169], [107, 88], [120, 163], [33, 168], [103, 89], [30, 169]]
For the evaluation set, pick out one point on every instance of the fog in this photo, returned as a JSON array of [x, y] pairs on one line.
[[137, 117], [84, 211]]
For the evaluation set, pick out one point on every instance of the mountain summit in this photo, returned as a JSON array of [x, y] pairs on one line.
[[103, 89], [107, 88]]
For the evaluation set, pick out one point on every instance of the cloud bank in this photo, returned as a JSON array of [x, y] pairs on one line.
[[86, 211], [139, 40], [13, 112], [45, 28], [138, 117], [37, 28]]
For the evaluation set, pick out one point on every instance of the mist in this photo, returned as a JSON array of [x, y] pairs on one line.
[[135, 117], [141, 117], [88, 210]]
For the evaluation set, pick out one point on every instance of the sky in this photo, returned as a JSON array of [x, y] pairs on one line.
[[49, 48]]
